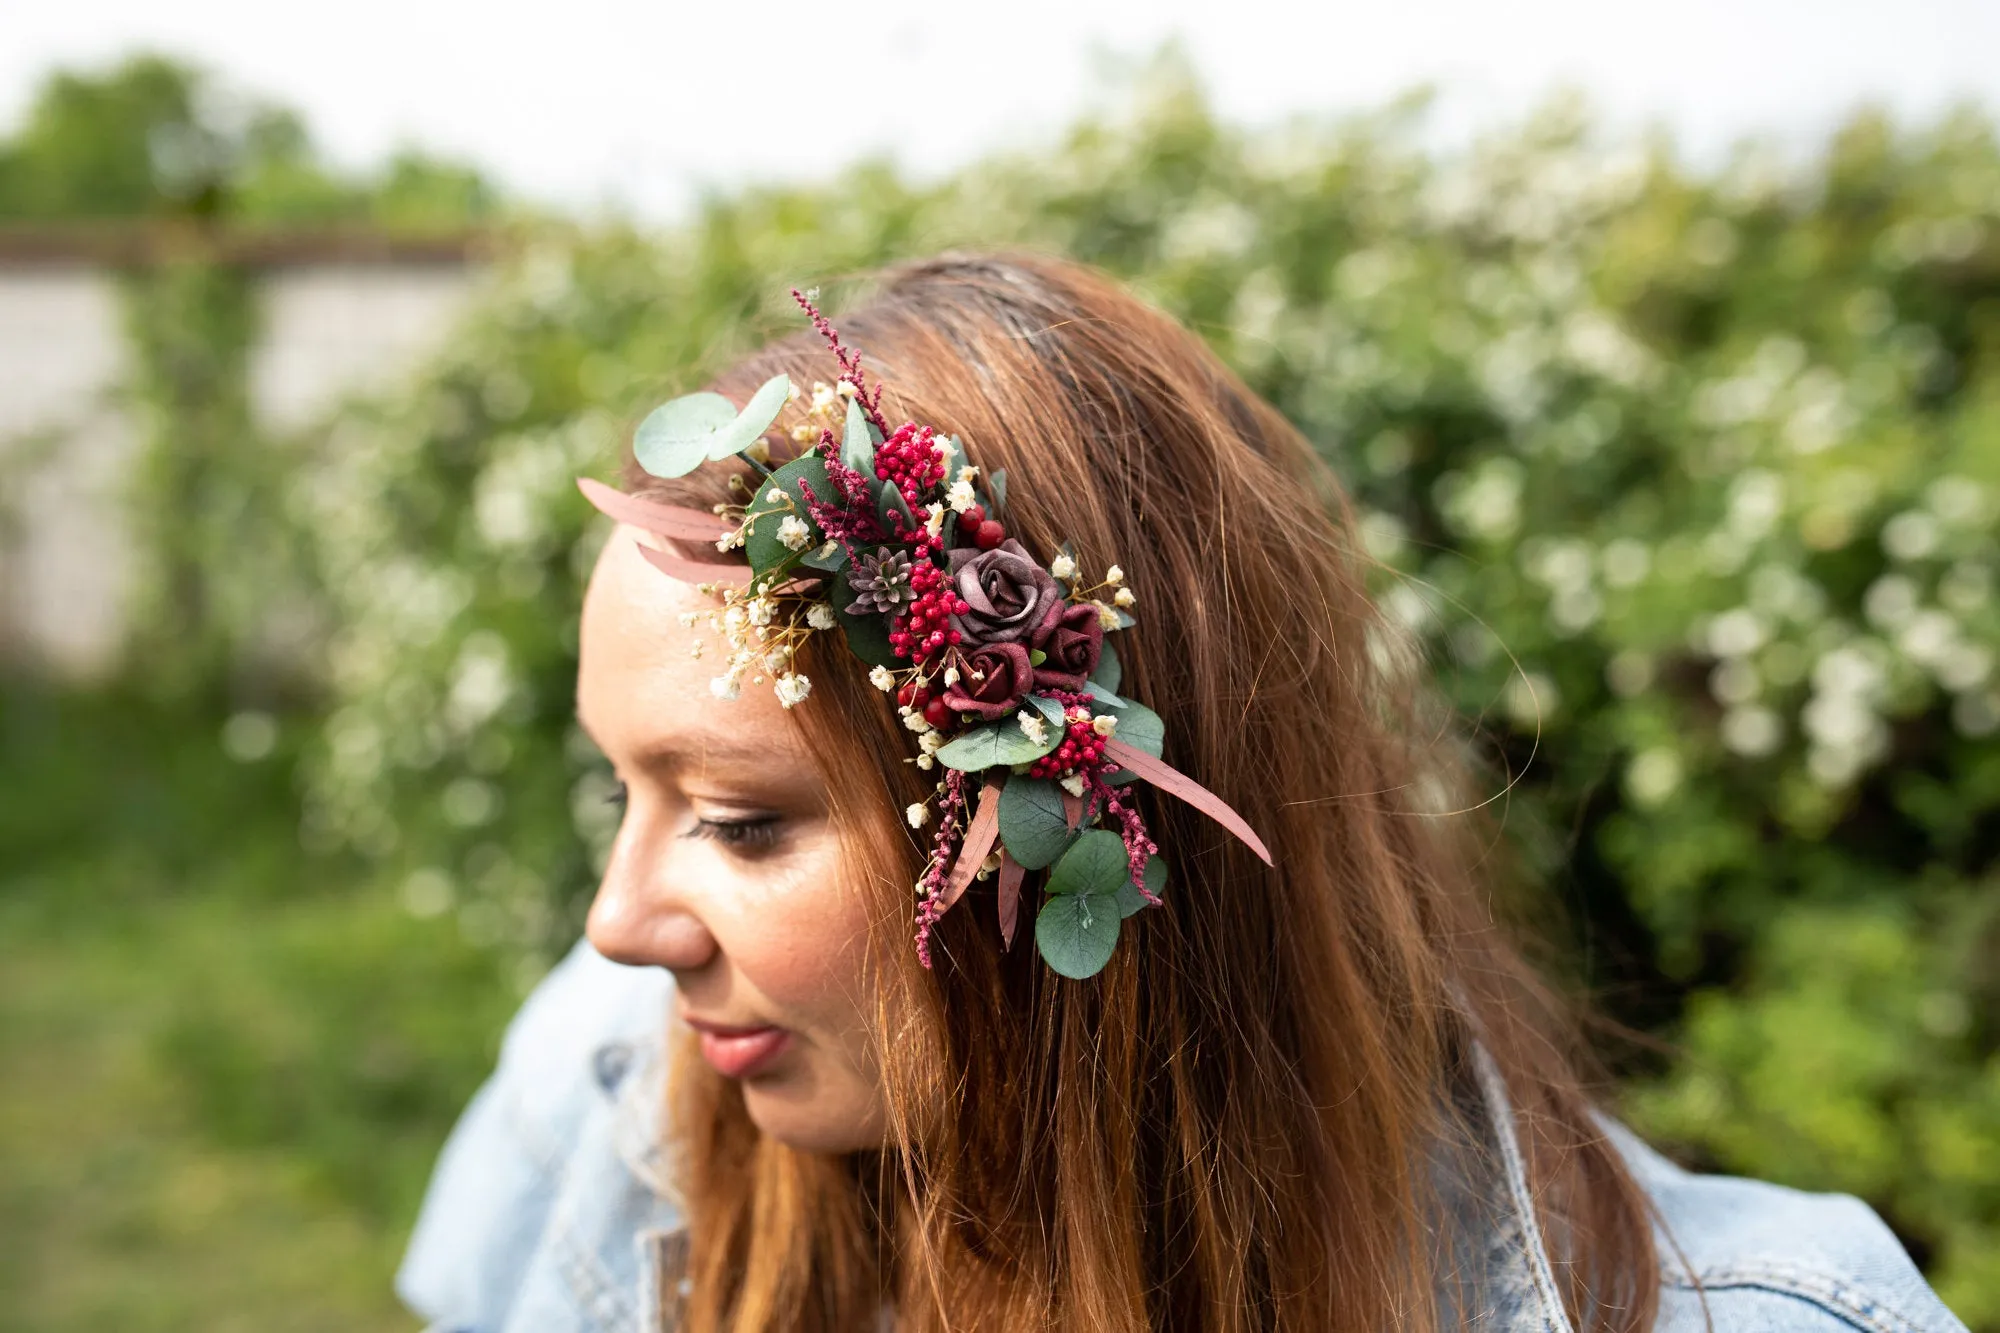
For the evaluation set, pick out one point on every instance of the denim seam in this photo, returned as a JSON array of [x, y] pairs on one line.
[[1837, 1298], [1500, 1111], [595, 1293]]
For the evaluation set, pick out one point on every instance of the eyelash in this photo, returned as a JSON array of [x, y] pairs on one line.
[[761, 832], [742, 834]]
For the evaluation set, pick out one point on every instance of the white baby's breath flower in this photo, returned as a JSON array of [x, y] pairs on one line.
[[926, 762], [725, 687], [758, 451], [1032, 726], [991, 863], [694, 649], [1104, 724], [777, 659], [1063, 567], [1073, 784], [822, 396], [1124, 597], [804, 433], [845, 388], [959, 497], [734, 619], [792, 688], [881, 679], [1114, 576], [934, 519], [931, 742], [730, 540], [688, 617], [915, 721], [793, 533], [826, 552], [820, 616], [1106, 616], [762, 610], [951, 675], [918, 815]]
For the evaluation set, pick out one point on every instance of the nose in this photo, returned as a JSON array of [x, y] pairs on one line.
[[638, 920]]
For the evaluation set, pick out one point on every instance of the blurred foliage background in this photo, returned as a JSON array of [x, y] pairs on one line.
[[1687, 477]]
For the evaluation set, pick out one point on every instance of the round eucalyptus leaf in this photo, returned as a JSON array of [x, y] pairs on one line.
[[1077, 933], [1032, 826], [1095, 863], [832, 562], [1104, 696], [1139, 727], [1050, 709], [1130, 900], [779, 497], [755, 418], [1109, 671], [991, 743], [674, 438]]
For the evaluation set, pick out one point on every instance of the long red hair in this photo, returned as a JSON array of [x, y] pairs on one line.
[[1239, 1123]]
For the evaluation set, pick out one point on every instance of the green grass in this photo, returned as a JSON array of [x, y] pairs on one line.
[[227, 1065]]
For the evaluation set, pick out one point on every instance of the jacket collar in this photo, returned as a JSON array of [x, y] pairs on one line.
[[1497, 1276]]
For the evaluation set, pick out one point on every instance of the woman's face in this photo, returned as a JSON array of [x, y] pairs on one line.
[[727, 868]]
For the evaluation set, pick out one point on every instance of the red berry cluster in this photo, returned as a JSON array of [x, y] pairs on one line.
[[924, 631], [985, 533], [926, 701], [910, 459], [1081, 748]]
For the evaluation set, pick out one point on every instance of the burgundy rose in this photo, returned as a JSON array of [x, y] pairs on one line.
[[991, 680], [1006, 594], [1070, 637]]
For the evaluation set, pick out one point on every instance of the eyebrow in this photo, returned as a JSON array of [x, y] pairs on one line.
[[668, 756]]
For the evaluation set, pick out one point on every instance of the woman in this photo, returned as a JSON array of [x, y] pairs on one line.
[[1306, 1085]]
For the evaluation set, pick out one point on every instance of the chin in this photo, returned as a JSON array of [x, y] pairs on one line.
[[816, 1124]]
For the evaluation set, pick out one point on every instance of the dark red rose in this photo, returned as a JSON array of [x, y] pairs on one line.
[[1071, 637], [1006, 594], [991, 680]]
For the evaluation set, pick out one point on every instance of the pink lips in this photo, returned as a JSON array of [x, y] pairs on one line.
[[739, 1052]]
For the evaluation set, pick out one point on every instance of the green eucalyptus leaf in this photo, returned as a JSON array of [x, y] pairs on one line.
[[1032, 826], [1001, 742], [1109, 671], [867, 635], [1104, 696], [857, 440], [996, 485], [1077, 933], [888, 498], [832, 562], [755, 418], [1051, 711], [761, 542], [674, 438], [1095, 863], [1139, 727], [1130, 900]]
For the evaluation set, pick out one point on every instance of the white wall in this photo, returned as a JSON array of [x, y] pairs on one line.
[[67, 443]]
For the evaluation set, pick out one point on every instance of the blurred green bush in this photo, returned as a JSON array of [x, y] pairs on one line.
[[1690, 480]]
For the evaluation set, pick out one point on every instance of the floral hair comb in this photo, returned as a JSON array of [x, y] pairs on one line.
[[997, 663]]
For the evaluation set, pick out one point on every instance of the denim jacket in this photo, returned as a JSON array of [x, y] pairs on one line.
[[547, 1210]]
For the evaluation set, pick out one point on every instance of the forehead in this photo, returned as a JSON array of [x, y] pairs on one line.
[[642, 691]]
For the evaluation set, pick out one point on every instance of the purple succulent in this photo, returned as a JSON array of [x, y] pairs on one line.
[[881, 582]]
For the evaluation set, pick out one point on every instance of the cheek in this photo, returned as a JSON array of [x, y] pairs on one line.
[[801, 941]]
